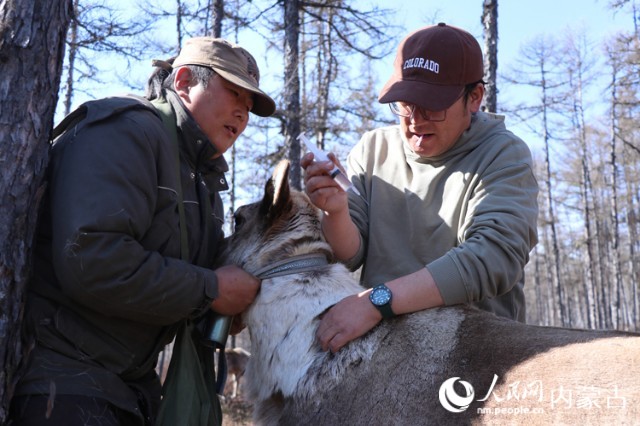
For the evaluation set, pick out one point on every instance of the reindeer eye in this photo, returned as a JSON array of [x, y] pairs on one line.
[[238, 222]]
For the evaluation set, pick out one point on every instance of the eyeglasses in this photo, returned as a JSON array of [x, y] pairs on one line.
[[403, 109]]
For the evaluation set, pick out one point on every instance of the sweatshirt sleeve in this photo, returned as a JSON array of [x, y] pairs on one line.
[[358, 204], [497, 232]]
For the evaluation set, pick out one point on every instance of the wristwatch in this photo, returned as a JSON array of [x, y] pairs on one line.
[[380, 296]]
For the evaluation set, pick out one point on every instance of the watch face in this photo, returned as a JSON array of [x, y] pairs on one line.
[[380, 296]]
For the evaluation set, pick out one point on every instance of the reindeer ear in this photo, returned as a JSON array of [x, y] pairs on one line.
[[281, 182], [267, 200], [277, 196]]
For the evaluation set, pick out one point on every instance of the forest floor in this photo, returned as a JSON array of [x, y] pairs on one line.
[[236, 412]]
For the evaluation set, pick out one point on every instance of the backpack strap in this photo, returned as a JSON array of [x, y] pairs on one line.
[[189, 395], [168, 119], [69, 121]]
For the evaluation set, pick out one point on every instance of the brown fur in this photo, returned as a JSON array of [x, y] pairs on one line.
[[394, 375]]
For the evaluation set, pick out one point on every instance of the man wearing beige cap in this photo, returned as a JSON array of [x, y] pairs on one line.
[[448, 208], [129, 232]]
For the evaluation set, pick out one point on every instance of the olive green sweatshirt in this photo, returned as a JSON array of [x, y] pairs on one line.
[[468, 216]]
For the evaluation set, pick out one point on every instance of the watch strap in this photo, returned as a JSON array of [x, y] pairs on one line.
[[386, 311]]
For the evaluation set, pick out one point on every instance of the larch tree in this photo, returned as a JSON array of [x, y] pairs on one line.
[[98, 27], [578, 66], [32, 37], [490, 29], [292, 88], [538, 70], [614, 240], [623, 60]]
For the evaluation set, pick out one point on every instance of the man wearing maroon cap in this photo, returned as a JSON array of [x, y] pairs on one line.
[[448, 209], [129, 233]]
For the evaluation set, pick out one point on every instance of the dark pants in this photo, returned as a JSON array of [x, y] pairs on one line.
[[66, 410]]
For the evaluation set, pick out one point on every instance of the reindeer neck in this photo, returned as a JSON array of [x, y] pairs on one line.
[[283, 322], [292, 265]]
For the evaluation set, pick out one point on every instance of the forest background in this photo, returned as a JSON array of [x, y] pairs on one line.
[[568, 82]]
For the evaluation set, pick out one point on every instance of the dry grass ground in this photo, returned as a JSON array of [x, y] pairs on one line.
[[236, 412]]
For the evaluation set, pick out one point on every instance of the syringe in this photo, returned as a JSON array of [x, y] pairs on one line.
[[335, 173]]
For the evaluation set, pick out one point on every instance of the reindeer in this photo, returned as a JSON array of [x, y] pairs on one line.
[[451, 365]]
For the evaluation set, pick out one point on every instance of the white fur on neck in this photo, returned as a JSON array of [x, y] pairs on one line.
[[283, 321]]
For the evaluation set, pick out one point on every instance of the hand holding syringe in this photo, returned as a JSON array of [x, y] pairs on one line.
[[335, 173]]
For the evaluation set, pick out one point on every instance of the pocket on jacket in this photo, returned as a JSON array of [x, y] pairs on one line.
[[70, 335]]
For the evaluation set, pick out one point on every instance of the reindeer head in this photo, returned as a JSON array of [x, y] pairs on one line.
[[283, 224]]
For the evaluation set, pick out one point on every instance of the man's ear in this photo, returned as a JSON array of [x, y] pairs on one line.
[[182, 81], [475, 97]]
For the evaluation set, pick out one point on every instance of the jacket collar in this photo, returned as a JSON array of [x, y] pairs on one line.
[[196, 147]]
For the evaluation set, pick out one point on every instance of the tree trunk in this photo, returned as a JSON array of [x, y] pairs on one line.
[[325, 77], [73, 47], [490, 24], [218, 16], [179, 24], [614, 247], [590, 237], [554, 257], [32, 37], [631, 222], [292, 89], [634, 275]]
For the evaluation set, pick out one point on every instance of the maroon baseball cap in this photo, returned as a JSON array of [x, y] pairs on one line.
[[432, 67]]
